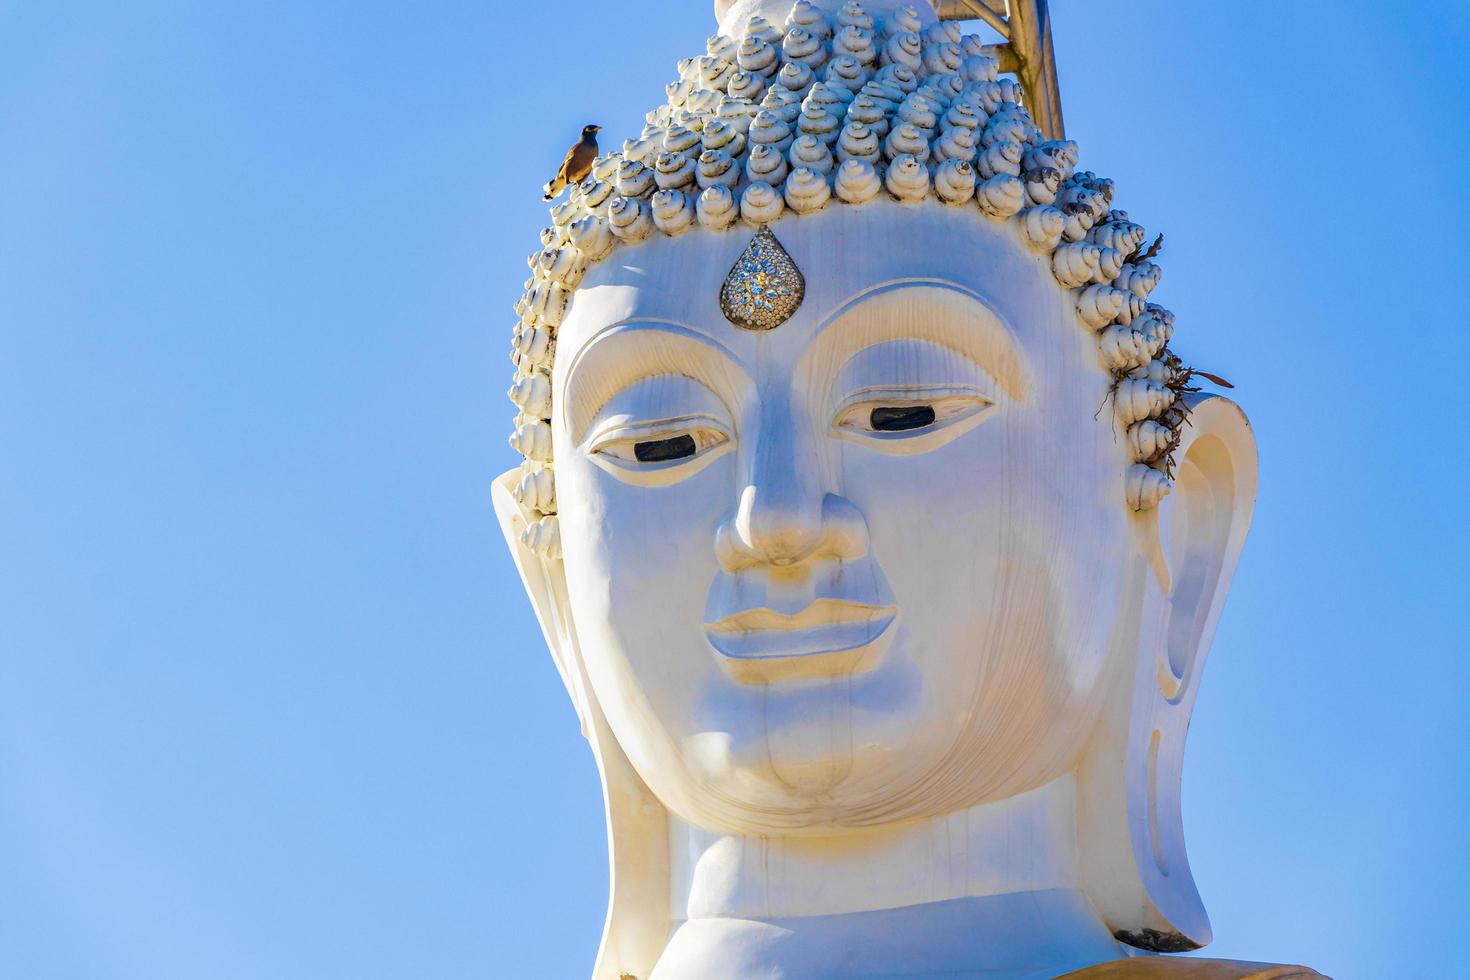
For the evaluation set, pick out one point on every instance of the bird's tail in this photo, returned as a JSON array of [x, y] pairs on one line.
[[552, 189]]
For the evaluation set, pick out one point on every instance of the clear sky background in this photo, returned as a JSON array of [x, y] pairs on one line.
[[271, 702]]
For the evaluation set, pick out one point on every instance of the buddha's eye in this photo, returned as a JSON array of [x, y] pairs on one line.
[[908, 413], [901, 418], [658, 445], [663, 450]]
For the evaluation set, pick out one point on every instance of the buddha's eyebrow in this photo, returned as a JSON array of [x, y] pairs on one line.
[[932, 310], [627, 352]]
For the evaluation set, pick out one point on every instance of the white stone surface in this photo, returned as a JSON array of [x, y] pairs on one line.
[[833, 676]]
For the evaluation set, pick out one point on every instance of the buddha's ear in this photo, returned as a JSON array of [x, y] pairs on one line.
[[1135, 864], [546, 586], [637, 924], [1199, 530]]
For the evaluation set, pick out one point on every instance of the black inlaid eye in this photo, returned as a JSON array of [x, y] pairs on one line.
[[901, 418], [663, 450]]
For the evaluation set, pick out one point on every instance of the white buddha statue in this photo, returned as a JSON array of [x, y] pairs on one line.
[[874, 529]]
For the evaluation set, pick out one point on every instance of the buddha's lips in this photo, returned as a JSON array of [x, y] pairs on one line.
[[829, 636], [820, 613]]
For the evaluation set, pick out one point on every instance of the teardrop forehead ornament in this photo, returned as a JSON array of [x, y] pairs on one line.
[[764, 287]]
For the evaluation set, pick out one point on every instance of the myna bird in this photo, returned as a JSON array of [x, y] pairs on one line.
[[577, 165]]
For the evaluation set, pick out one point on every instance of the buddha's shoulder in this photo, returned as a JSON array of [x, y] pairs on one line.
[[1179, 968]]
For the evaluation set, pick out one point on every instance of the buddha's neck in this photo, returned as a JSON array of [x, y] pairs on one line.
[[999, 883], [733, 14]]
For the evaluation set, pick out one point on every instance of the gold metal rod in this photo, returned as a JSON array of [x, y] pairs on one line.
[[977, 9], [1031, 42], [1005, 54]]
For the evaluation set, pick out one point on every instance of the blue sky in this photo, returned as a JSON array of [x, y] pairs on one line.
[[271, 703]]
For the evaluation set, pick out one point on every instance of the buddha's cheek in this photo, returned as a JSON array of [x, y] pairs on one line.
[[639, 562]]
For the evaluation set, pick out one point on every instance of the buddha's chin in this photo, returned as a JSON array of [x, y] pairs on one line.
[[822, 799], [824, 804], [832, 776], [807, 780]]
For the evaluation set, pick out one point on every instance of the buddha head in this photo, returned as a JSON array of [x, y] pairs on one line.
[[861, 484]]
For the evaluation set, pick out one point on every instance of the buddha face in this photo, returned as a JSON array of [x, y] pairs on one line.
[[857, 569]]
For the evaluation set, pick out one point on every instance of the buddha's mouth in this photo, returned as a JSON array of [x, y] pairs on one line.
[[828, 637]]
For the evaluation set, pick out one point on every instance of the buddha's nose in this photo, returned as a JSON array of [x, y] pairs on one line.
[[780, 534], [774, 527], [785, 517]]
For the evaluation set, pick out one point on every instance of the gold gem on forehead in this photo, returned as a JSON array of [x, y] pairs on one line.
[[764, 287]]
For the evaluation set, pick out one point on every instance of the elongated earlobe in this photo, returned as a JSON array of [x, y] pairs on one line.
[[1202, 529], [1136, 869], [637, 923]]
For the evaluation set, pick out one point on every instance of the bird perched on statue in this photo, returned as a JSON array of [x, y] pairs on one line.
[[578, 163]]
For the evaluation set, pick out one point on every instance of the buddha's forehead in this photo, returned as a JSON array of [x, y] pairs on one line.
[[844, 255]]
